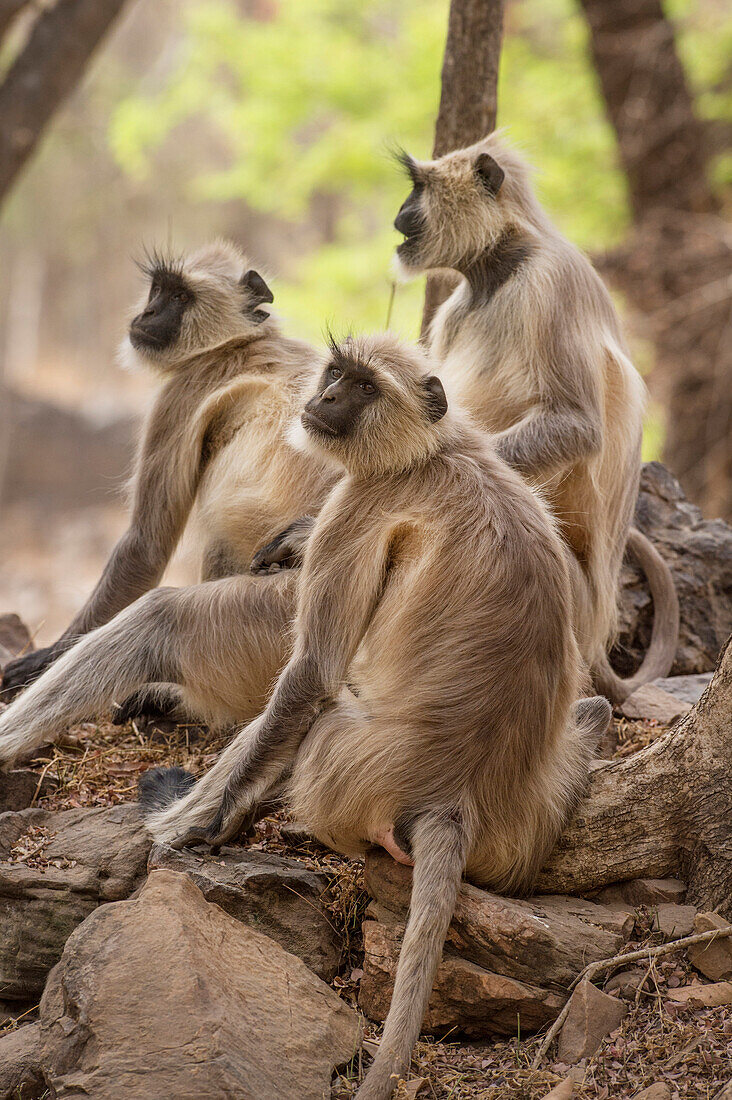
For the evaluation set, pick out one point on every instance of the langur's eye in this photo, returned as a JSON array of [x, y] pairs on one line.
[[367, 387], [336, 372], [182, 297]]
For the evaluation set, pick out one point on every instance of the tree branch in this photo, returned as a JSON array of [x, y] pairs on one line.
[[45, 72], [469, 89]]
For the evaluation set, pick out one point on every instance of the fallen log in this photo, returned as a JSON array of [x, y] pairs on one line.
[[665, 811]]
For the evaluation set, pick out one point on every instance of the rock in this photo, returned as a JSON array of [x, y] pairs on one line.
[[592, 1015], [699, 554], [650, 701], [674, 921], [465, 997], [541, 940], [689, 689], [625, 983], [18, 788], [713, 958], [167, 995], [276, 896], [64, 865], [20, 1063], [710, 996], [563, 1091], [643, 891], [659, 1091], [14, 638]]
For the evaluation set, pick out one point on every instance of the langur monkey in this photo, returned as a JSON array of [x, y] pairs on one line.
[[212, 449], [429, 702], [530, 343]]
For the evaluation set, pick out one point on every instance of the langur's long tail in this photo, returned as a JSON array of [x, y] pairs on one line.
[[439, 847], [664, 639]]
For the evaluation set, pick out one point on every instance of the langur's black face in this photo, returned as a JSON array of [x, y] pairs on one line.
[[411, 222], [158, 326], [346, 389]]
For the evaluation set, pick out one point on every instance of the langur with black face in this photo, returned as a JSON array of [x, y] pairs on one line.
[[530, 343], [429, 702], [213, 459]]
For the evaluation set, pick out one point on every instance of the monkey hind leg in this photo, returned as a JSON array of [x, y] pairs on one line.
[[137, 646], [439, 845], [158, 702]]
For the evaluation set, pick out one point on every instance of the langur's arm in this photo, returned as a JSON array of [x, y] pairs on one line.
[[549, 438], [341, 585], [566, 423], [165, 482]]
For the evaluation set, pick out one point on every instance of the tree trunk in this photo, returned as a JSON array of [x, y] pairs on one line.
[[677, 263], [468, 99], [8, 11], [45, 72], [665, 811]]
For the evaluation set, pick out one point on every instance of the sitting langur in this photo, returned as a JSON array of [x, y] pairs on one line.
[[214, 449], [530, 343], [428, 701], [213, 446]]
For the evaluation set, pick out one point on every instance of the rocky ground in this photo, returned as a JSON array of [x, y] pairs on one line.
[[263, 972], [661, 1040]]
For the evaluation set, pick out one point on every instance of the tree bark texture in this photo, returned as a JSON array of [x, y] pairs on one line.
[[8, 11], [665, 811], [676, 265], [468, 101], [662, 144], [44, 73]]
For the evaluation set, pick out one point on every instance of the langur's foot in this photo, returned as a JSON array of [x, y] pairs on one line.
[[386, 840]]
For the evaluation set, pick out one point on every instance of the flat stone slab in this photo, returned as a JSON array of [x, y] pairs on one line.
[[689, 689], [651, 701], [55, 868], [541, 940], [465, 997], [279, 897]]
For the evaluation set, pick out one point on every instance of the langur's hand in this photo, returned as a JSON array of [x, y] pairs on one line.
[[286, 550], [24, 670]]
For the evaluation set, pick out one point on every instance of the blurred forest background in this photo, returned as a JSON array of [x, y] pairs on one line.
[[269, 121]]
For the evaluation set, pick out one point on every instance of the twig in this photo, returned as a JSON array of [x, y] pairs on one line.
[[389, 308], [590, 971]]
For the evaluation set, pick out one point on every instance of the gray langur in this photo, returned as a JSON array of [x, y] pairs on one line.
[[429, 703], [212, 457], [530, 343]]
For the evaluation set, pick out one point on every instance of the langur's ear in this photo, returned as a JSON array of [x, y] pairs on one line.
[[489, 173], [258, 292], [436, 400]]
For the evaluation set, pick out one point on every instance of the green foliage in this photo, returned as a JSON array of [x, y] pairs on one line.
[[300, 107]]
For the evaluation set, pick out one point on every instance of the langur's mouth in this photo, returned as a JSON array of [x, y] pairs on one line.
[[409, 246], [141, 338], [312, 422]]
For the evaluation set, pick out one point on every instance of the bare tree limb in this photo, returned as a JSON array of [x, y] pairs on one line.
[[45, 72], [665, 810], [468, 101], [8, 11]]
